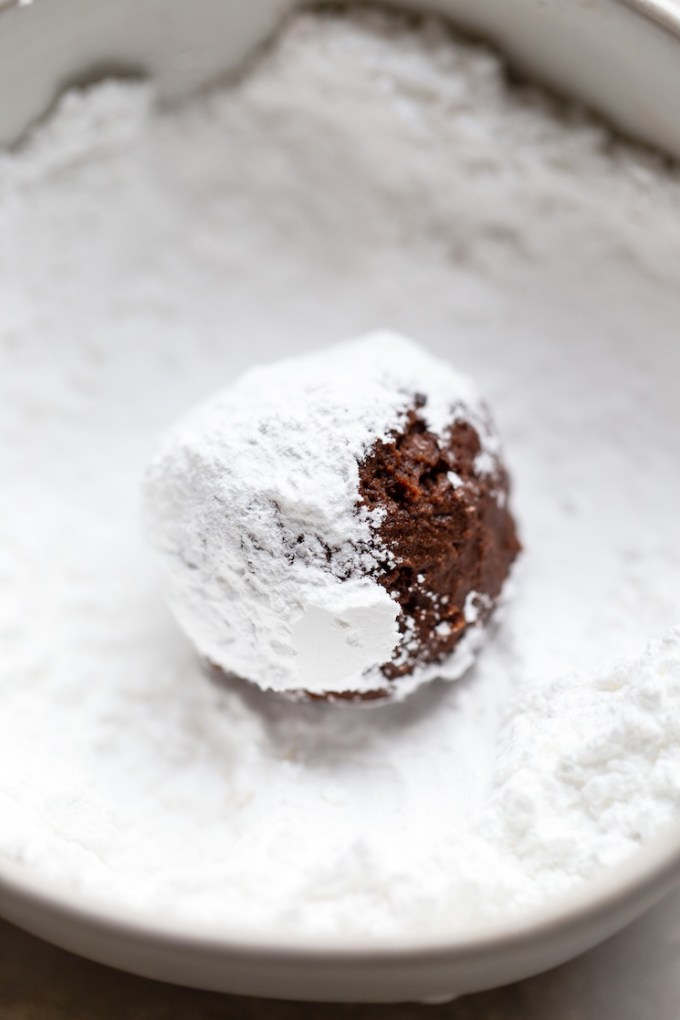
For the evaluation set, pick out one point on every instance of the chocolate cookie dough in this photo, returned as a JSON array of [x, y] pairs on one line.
[[448, 527], [336, 525]]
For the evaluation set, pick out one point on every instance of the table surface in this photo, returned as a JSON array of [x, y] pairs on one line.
[[634, 976]]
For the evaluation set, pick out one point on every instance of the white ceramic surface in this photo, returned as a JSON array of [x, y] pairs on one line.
[[623, 56], [620, 56], [417, 969]]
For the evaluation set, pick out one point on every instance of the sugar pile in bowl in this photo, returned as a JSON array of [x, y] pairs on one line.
[[369, 171]]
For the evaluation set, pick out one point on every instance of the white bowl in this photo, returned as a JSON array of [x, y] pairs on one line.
[[413, 969], [621, 57]]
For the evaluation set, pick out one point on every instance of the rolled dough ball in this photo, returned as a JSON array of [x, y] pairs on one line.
[[336, 525]]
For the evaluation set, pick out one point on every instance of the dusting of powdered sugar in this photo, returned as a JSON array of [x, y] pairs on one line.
[[253, 505], [369, 171]]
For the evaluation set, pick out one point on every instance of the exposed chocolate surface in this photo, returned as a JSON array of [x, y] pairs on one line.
[[448, 528]]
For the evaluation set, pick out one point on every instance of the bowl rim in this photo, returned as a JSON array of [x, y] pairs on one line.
[[643, 877], [664, 12]]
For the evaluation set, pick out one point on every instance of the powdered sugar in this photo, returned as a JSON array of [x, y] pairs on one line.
[[253, 504], [365, 173], [610, 770]]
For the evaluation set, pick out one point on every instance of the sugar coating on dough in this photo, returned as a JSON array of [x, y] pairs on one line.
[[272, 559]]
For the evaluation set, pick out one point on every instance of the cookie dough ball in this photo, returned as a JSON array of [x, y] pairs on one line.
[[336, 525]]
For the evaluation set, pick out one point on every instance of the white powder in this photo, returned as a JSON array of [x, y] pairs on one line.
[[366, 173], [252, 503]]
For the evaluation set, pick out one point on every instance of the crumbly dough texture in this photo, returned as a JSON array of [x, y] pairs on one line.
[[327, 524], [449, 532]]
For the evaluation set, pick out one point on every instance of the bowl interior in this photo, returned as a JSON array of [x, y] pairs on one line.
[[550, 327]]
